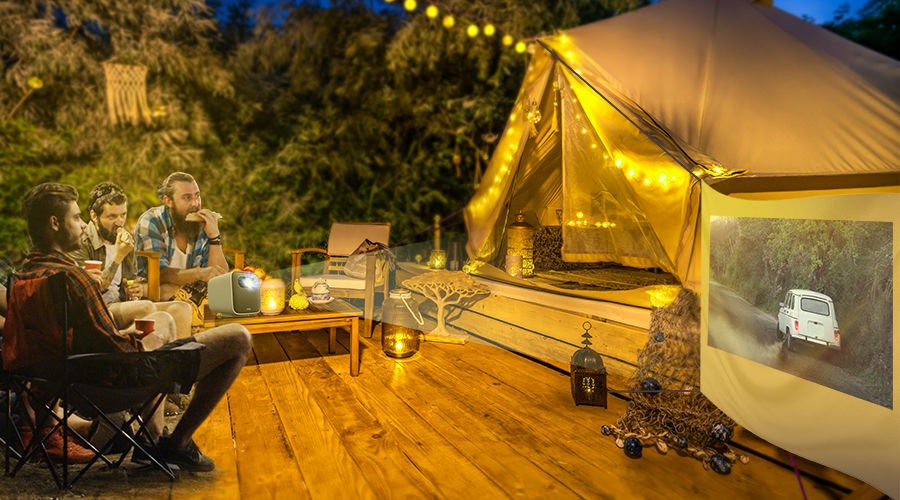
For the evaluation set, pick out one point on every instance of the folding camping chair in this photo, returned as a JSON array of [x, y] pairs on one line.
[[92, 385]]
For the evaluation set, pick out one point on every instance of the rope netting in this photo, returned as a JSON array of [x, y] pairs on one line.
[[668, 409]]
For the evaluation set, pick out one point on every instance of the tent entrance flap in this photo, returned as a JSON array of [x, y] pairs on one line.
[[622, 195]]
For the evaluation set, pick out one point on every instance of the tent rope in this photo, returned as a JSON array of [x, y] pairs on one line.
[[690, 170]]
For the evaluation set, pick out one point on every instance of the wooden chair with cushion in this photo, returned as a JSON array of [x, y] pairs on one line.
[[343, 240]]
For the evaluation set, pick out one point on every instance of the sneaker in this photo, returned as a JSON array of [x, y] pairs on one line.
[[187, 458], [77, 454], [139, 457]]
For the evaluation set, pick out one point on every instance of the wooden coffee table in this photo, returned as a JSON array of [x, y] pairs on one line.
[[336, 314]]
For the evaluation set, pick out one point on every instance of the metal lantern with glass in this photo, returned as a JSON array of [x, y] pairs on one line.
[[587, 373], [520, 242], [399, 332]]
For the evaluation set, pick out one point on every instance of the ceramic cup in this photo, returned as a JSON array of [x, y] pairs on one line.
[[145, 325]]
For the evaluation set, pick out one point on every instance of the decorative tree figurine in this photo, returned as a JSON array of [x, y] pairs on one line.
[[445, 288]]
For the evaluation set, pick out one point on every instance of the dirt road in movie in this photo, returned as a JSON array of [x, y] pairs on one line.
[[738, 327]]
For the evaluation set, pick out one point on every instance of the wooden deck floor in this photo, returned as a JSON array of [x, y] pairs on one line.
[[468, 422]]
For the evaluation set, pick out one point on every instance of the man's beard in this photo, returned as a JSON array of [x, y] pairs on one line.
[[70, 241], [191, 229], [107, 235]]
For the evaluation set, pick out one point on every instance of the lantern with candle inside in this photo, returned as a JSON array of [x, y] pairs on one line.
[[587, 373], [520, 241], [437, 259], [400, 325], [271, 297]]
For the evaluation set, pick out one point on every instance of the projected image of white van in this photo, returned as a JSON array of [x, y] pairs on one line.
[[777, 291], [807, 316]]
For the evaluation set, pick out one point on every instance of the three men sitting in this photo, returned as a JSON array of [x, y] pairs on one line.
[[55, 227]]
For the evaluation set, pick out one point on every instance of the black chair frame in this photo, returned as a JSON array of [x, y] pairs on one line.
[[58, 386]]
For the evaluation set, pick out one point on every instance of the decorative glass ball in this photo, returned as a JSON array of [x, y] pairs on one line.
[[633, 447], [651, 384], [659, 337], [721, 432], [720, 463], [605, 430], [682, 442]]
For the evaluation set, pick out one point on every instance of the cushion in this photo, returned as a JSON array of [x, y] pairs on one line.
[[336, 281], [548, 252]]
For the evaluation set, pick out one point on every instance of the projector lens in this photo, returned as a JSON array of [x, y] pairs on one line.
[[249, 281]]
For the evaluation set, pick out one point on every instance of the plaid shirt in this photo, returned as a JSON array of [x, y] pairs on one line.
[[156, 232], [93, 327]]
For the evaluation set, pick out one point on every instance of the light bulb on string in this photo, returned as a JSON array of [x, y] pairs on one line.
[[472, 30], [521, 47], [507, 40], [489, 30], [432, 11], [449, 21], [409, 5]]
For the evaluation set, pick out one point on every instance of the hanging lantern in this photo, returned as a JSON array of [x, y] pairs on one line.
[[271, 297], [399, 334], [520, 241], [587, 373]]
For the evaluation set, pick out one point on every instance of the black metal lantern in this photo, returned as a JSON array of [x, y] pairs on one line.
[[588, 374]]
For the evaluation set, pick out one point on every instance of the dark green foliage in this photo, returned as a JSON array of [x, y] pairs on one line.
[[850, 261], [876, 26], [289, 120]]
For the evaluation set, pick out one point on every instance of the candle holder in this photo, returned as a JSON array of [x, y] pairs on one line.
[[514, 265], [271, 297], [437, 259], [399, 328], [520, 241]]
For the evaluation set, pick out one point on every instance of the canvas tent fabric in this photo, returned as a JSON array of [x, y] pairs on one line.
[[616, 118]]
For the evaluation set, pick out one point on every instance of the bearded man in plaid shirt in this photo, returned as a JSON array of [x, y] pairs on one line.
[[189, 250]]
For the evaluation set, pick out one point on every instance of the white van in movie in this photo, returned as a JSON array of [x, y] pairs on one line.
[[809, 316]]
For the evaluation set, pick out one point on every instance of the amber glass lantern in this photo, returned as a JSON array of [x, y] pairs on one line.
[[520, 241], [399, 335], [271, 297], [587, 373]]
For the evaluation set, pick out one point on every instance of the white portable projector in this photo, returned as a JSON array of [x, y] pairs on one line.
[[234, 294]]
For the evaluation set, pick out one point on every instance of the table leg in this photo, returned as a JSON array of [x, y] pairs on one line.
[[332, 339], [354, 347]]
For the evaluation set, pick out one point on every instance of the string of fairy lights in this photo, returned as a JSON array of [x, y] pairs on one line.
[[476, 26]]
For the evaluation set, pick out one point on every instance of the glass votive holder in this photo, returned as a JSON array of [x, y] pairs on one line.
[[514, 265]]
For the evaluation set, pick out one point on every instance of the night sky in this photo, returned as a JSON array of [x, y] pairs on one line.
[[821, 11]]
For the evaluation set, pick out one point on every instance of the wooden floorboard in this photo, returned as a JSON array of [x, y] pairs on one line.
[[377, 454], [454, 421], [317, 447]]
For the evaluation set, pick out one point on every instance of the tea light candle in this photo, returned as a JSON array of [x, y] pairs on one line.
[[271, 297]]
